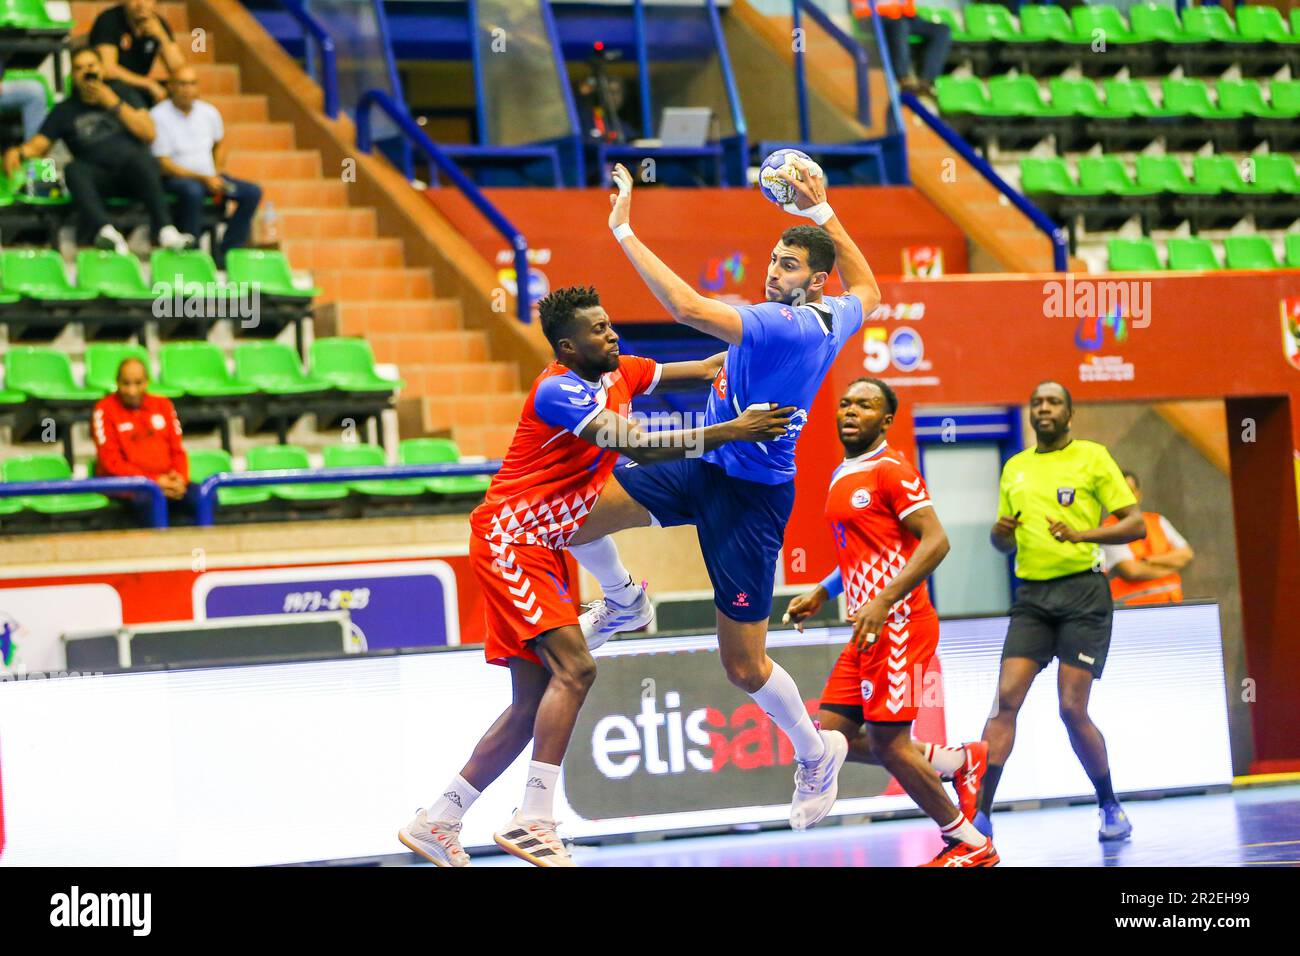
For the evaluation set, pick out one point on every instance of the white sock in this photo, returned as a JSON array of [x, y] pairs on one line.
[[455, 801], [780, 698], [946, 760], [600, 558], [539, 792], [962, 829]]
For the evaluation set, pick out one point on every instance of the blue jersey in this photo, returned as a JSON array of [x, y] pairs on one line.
[[784, 354]]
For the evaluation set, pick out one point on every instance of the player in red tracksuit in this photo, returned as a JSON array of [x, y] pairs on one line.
[[139, 434], [889, 541], [573, 427]]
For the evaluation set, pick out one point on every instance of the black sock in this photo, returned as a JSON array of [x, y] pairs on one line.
[[1104, 792], [989, 787]]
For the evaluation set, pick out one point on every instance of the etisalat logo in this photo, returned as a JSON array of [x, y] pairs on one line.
[[198, 300], [100, 910]]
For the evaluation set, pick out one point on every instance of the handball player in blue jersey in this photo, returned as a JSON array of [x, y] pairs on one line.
[[739, 497]]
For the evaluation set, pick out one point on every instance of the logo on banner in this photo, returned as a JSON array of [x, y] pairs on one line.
[[907, 349], [723, 270], [903, 350], [924, 261], [1065, 496], [1291, 330], [9, 629], [1090, 334]]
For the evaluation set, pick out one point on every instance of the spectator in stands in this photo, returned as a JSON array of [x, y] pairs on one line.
[[139, 434], [106, 128], [191, 149], [129, 38], [27, 97], [899, 22], [1146, 571]]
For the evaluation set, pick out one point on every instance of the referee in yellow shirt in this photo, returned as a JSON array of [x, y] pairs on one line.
[[1052, 496]]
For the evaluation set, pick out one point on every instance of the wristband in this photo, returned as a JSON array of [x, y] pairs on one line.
[[833, 583], [622, 231], [820, 213]]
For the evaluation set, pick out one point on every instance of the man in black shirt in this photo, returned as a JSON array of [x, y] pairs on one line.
[[129, 38], [107, 128]]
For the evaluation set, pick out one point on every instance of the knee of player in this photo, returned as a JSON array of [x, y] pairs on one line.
[[746, 675], [887, 746], [1074, 712], [577, 674]]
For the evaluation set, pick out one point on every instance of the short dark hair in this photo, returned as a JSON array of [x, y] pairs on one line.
[[1069, 399], [558, 309], [821, 250], [1133, 475], [88, 48], [891, 398]]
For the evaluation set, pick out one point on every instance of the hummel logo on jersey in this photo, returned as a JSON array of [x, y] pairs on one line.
[[1087, 660], [451, 796], [535, 783], [584, 400]]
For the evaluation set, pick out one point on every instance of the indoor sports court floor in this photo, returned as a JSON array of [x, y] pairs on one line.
[[1248, 827]]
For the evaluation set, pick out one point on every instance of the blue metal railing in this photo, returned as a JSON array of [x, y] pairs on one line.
[[138, 485], [1055, 233], [329, 61], [887, 66], [206, 499], [851, 46], [421, 141]]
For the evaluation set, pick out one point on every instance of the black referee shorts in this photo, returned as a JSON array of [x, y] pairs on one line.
[[1067, 617]]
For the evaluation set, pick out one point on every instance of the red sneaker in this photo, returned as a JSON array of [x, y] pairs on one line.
[[969, 777], [956, 853]]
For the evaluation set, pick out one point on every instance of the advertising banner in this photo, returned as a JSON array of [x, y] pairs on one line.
[[33, 619]]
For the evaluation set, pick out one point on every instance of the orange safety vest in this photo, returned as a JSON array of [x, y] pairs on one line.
[[1164, 590], [890, 9]]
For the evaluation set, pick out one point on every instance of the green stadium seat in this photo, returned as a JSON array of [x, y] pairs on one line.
[[1018, 95], [349, 364], [1275, 173], [362, 455], [1285, 95], [1103, 21], [1221, 172], [206, 462], [1207, 24], [30, 15], [961, 94], [11, 505], [38, 274], [268, 271], [1159, 22], [1048, 174], [11, 397], [45, 373], [1292, 243], [279, 457], [43, 172], [1246, 96], [1108, 174], [1133, 255], [51, 468], [103, 359], [1080, 97], [1249, 252], [437, 451], [1165, 174], [989, 21], [1191, 254], [1133, 95], [36, 76], [945, 15], [1046, 23], [112, 275], [274, 368], [199, 369], [1192, 96], [1295, 20], [1263, 25], [170, 268]]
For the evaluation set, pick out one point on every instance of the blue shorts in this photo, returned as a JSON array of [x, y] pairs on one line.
[[740, 524]]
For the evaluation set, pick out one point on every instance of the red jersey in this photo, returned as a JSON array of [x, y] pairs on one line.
[[550, 477], [868, 499], [138, 441]]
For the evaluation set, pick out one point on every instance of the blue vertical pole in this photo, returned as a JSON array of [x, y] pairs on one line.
[[476, 55], [643, 67], [800, 75]]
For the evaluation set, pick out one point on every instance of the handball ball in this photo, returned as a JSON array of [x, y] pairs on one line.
[[772, 185]]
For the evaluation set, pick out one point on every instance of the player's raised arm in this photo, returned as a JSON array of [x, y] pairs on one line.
[[613, 431], [684, 376], [810, 201], [683, 303]]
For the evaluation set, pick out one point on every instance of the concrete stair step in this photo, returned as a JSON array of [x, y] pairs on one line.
[[429, 348], [343, 253], [490, 441], [305, 221], [359, 317], [304, 193], [456, 378], [267, 166], [259, 137], [240, 107], [216, 79], [473, 411], [344, 284], [84, 12]]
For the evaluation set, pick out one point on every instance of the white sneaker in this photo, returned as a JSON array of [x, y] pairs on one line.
[[169, 237], [110, 239], [438, 841], [535, 841], [816, 783], [604, 618]]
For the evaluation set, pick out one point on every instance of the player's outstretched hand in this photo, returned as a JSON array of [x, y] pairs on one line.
[[620, 203], [868, 623], [809, 187], [804, 606], [763, 423]]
